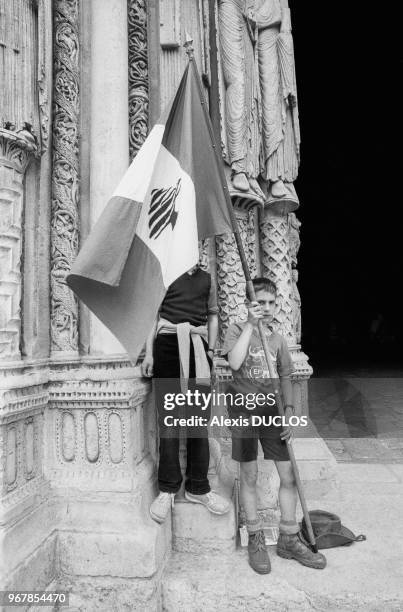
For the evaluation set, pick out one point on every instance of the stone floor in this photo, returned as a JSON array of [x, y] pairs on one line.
[[364, 577], [360, 417]]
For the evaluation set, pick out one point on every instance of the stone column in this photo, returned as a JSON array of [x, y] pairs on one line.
[[276, 265], [109, 125], [16, 149], [230, 276], [65, 176]]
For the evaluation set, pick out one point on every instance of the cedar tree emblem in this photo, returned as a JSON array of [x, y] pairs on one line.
[[162, 209]]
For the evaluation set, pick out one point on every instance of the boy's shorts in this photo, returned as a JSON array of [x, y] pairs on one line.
[[245, 441]]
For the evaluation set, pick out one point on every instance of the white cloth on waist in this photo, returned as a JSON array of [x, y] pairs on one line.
[[185, 332]]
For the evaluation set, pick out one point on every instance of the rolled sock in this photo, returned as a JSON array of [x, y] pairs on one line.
[[253, 525], [289, 527]]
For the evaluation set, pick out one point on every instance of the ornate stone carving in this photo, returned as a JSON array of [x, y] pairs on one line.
[[260, 94], [19, 43], [230, 277], [204, 247], [138, 74], [115, 437], [44, 69], [11, 458], [65, 177], [29, 444], [66, 436], [276, 265], [91, 435], [16, 151], [294, 241]]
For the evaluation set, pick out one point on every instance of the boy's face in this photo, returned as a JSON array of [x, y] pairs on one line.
[[267, 302]]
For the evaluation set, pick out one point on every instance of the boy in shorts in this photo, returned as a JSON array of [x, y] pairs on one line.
[[245, 355]]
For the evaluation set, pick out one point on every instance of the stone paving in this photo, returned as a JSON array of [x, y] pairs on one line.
[[360, 418], [364, 577]]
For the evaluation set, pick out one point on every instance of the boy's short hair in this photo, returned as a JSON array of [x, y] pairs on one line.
[[264, 284]]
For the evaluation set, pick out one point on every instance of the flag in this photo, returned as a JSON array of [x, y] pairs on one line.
[[172, 195]]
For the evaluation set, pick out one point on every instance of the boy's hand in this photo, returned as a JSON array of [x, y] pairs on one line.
[[147, 367], [254, 313]]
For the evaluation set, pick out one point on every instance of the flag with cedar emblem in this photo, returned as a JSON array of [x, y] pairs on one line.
[[172, 195]]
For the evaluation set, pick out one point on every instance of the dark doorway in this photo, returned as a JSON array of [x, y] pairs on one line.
[[349, 185]]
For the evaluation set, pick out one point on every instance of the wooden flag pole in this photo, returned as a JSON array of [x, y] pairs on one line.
[[252, 296]]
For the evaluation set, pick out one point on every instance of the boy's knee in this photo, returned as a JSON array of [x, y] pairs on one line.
[[249, 473]]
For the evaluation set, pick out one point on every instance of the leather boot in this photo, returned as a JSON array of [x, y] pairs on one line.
[[294, 546], [258, 556]]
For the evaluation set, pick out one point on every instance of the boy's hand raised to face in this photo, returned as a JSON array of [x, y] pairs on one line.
[[254, 313]]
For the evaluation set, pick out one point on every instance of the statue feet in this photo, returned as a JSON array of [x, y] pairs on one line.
[[240, 181], [278, 189], [255, 187]]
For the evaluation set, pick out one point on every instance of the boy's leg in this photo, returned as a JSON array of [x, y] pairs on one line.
[[291, 544], [166, 373], [287, 498], [248, 494], [198, 458], [258, 556]]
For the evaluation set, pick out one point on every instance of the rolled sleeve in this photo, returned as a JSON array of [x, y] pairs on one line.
[[231, 337]]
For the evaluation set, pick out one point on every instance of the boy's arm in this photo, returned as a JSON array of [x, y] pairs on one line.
[[286, 389], [147, 365], [237, 355]]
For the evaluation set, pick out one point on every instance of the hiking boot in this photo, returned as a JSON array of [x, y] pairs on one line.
[[295, 547], [257, 551], [213, 502], [159, 509]]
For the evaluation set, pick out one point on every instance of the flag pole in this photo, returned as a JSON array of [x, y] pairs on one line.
[[250, 291]]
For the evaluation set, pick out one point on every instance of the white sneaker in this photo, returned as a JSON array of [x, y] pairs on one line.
[[213, 502], [159, 509]]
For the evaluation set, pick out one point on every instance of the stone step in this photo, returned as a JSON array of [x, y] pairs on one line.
[[195, 529], [206, 583]]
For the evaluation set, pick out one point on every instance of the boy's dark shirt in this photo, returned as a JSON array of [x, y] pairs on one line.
[[190, 298]]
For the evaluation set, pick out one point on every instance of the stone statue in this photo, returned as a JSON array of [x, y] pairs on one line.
[[259, 75], [242, 120]]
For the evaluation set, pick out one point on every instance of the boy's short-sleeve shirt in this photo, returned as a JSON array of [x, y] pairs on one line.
[[254, 369]]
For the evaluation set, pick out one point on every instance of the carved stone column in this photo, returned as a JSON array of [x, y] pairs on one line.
[[138, 74], [276, 265], [230, 276], [65, 176], [16, 150]]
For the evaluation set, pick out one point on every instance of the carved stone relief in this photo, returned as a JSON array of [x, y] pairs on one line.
[[65, 177], [44, 69], [21, 425], [260, 102], [230, 276], [138, 74], [16, 151], [294, 241], [276, 265]]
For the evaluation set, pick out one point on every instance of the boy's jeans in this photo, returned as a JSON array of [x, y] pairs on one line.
[[167, 379]]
